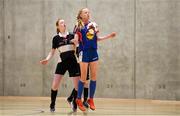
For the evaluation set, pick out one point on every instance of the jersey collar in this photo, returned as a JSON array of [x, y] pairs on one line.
[[63, 35]]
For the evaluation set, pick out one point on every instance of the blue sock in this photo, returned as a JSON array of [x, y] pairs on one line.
[[80, 89], [92, 88]]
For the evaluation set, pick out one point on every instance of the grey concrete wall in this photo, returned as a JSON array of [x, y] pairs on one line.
[[141, 62], [1, 45], [116, 66], [23, 47], [157, 49]]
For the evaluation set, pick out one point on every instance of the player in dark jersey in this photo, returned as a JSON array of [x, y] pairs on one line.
[[87, 36], [64, 44]]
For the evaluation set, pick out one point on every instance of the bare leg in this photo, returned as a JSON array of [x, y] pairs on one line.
[[75, 82]]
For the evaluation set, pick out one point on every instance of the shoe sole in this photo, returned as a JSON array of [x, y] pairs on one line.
[[92, 109], [82, 110], [52, 110]]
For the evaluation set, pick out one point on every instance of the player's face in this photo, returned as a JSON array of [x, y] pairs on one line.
[[85, 15], [61, 25]]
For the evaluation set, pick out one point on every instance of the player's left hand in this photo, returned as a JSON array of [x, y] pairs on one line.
[[113, 34]]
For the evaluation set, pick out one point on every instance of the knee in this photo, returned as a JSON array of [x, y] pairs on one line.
[[54, 87], [93, 77]]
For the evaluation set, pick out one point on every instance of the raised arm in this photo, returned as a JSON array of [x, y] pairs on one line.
[[50, 55], [111, 35]]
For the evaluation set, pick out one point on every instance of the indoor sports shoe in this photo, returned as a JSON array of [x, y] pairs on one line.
[[80, 105], [74, 106], [91, 103], [52, 107]]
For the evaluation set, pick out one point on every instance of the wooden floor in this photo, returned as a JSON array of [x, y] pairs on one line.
[[39, 106]]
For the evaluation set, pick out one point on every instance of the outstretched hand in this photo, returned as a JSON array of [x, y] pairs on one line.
[[44, 62], [113, 34]]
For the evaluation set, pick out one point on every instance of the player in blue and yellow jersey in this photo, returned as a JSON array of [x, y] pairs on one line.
[[87, 37]]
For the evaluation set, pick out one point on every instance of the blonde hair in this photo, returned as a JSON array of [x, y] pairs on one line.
[[79, 19], [79, 13]]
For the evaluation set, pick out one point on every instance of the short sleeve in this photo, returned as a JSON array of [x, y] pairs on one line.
[[54, 43]]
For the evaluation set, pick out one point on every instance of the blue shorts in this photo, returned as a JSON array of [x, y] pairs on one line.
[[89, 55]]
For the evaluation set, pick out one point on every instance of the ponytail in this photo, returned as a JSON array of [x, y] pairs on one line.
[[57, 24], [79, 23]]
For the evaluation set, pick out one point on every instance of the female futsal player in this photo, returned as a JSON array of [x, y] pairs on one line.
[[63, 43], [87, 36], [86, 85]]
